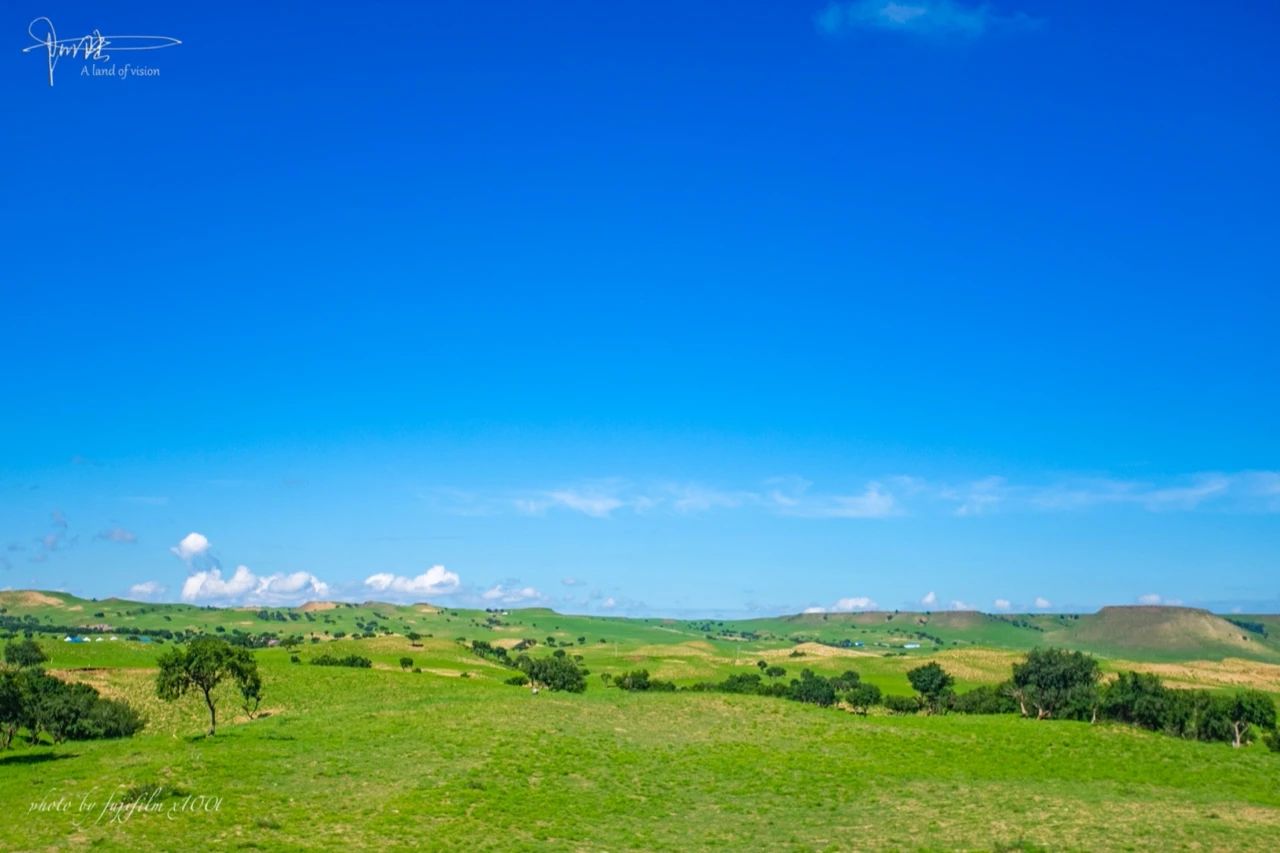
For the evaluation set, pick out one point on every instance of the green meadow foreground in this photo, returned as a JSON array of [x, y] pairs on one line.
[[392, 758]]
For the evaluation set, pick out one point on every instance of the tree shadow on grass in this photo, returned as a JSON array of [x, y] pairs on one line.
[[36, 757]]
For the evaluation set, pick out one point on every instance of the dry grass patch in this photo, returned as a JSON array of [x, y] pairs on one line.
[[817, 650], [1230, 673]]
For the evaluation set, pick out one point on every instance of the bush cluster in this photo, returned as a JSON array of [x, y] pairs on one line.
[[34, 701]]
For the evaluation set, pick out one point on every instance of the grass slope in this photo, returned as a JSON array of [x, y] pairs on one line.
[[364, 759]]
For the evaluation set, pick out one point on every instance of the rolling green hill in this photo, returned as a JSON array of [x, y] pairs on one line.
[[687, 648], [446, 755]]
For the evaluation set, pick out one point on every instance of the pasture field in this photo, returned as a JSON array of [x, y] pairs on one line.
[[451, 757]]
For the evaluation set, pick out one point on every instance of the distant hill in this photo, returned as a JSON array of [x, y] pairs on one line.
[[1132, 633]]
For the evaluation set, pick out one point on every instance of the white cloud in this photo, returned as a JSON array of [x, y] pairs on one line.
[[207, 585], [192, 545], [436, 580], [1002, 604], [846, 605], [593, 503], [873, 502], [962, 605], [509, 595], [609, 603], [147, 590], [1153, 598], [930, 598], [570, 581], [691, 499], [288, 587], [938, 18], [894, 495], [1043, 603], [245, 586]]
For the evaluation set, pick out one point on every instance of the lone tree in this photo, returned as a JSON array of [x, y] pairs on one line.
[[406, 663], [204, 664], [933, 683], [1056, 683], [23, 653]]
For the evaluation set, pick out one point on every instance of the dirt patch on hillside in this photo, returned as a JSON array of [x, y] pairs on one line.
[[29, 598], [317, 606], [426, 608]]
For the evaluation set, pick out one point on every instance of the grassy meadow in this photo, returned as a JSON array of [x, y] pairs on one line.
[[452, 757]]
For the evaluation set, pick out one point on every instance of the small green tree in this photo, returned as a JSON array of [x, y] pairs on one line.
[[202, 665], [933, 683], [24, 653], [406, 662], [775, 671], [862, 697]]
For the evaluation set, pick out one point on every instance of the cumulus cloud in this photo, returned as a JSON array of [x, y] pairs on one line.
[[210, 584], [436, 580], [609, 603], [511, 595], [936, 18], [1003, 604], [147, 590], [930, 598], [118, 534], [194, 550], [245, 586], [1043, 603], [962, 605]]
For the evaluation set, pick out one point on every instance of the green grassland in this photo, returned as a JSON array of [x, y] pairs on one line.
[[451, 757]]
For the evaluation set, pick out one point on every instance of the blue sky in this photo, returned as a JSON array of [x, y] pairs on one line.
[[660, 308]]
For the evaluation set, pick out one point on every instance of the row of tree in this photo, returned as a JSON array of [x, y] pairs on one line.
[[1047, 684], [1062, 684]]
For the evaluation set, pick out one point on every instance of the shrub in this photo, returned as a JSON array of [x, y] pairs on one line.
[[357, 661], [24, 653], [984, 700], [640, 680], [901, 704]]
